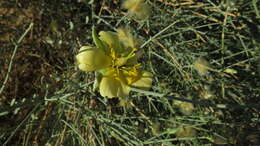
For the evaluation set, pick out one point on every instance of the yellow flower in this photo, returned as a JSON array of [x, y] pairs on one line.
[[185, 107], [116, 64], [202, 66], [186, 132], [138, 8]]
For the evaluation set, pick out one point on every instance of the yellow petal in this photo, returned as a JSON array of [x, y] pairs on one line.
[[138, 8], [145, 82], [111, 87], [144, 13], [130, 4], [110, 38], [90, 59], [127, 38]]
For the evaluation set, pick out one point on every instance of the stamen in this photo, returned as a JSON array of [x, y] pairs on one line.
[[132, 53]]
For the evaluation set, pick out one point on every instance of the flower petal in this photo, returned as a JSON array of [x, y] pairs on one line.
[[138, 8], [111, 87], [145, 82], [127, 38], [111, 39], [90, 59]]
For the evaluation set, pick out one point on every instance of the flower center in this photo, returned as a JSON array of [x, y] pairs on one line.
[[125, 73]]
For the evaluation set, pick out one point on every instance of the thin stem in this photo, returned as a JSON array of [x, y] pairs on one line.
[[12, 57]]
